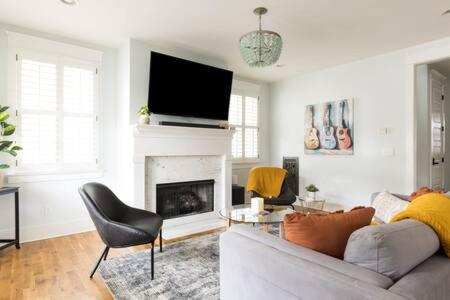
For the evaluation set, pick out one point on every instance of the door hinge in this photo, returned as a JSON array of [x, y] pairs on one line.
[[96, 161], [96, 72], [17, 57], [442, 98], [442, 159], [442, 128], [17, 113], [17, 163]]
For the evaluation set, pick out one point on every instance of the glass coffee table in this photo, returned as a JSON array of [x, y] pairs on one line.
[[243, 214]]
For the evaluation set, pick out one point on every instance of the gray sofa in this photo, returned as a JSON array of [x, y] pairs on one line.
[[257, 265], [392, 261]]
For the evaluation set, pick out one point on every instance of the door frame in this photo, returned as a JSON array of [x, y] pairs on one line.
[[433, 72], [423, 54]]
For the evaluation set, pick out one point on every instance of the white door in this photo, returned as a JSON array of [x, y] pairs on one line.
[[437, 89]]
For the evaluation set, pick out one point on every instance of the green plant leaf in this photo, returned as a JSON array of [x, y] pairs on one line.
[[9, 130], [17, 148], [12, 152], [3, 108], [5, 145], [4, 116], [4, 166]]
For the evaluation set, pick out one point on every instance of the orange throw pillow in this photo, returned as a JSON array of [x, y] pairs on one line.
[[327, 234]]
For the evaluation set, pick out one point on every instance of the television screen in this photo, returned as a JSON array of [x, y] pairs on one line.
[[185, 88]]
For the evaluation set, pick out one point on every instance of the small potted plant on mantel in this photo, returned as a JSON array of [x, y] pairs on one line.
[[312, 190], [144, 115], [8, 147]]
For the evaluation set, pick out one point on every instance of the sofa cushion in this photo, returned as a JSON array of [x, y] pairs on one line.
[[429, 280], [387, 206], [391, 249], [333, 264], [327, 234]]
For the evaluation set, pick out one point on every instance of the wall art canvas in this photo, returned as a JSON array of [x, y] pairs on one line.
[[329, 128]]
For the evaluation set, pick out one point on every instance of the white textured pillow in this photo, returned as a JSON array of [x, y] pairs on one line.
[[387, 206]]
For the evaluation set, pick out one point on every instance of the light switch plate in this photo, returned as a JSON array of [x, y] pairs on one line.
[[388, 152]]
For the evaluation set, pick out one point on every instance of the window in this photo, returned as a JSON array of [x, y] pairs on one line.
[[56, 109], [243, 115]]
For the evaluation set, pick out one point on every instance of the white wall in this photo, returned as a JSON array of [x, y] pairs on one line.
[[383, 89], [377, 86], [53, 207]]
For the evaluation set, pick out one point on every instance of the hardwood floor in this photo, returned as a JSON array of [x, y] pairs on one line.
[[58, 268]]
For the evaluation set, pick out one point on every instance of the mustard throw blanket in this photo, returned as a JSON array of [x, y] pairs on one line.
[[266, 181], [432, 209]]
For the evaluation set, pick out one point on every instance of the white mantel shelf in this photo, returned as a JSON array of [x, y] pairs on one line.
[[153, 142], [179, 131]]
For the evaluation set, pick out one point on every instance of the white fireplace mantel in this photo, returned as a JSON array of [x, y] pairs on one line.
[[151, 141]]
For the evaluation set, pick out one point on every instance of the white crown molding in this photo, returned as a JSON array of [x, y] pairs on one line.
[[23, 41]]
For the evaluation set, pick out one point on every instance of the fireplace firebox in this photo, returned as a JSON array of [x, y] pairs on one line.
[[179, 199]]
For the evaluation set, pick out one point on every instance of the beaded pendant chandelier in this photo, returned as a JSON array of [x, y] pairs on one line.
[[260, 48]]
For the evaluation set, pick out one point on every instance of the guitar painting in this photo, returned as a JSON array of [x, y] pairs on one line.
[[343, 136], [327, 138], [311, 133], [334, 136]]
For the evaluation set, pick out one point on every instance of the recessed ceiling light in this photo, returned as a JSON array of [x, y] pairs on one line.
[[70, 2]]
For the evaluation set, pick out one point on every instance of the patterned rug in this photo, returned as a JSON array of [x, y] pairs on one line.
[[187, 269]]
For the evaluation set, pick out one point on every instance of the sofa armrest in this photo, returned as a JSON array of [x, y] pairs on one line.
[[251, 269]]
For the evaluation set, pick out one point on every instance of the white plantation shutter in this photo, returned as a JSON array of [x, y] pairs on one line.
[[235, 112], [251, 111], [235, 119], [38, 138], [78, 90], [236, 143], [79, 132], [243, 115], [38, 106], [38, 85], [57, 112], [251, 142]]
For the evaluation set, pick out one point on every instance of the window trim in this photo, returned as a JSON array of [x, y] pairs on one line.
[[63, 54], [246, 89]]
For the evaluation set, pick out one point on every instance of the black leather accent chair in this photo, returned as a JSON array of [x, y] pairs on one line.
[[118, 224], [286, 197]]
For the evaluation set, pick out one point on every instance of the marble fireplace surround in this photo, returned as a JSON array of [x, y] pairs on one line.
[[166, 154]]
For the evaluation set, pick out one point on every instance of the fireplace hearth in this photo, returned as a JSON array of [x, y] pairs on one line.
[[181, 199]]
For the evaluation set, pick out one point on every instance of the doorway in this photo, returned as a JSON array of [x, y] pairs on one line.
[[432, 86]]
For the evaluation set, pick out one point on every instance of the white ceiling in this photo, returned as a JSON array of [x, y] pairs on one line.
[[316, 33]]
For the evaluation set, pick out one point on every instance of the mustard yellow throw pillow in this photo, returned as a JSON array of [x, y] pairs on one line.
[[432, 209]]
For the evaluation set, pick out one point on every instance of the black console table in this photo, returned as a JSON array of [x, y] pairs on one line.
[[9, 242]]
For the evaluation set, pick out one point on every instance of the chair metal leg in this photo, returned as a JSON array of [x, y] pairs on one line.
[[153, 262], [292, 205], [106, 254], [99, 261], [160, 240]]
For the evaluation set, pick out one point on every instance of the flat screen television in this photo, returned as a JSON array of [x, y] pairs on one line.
[[184, 88]]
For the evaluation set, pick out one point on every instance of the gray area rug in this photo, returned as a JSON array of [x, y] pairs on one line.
[[187, 269]]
